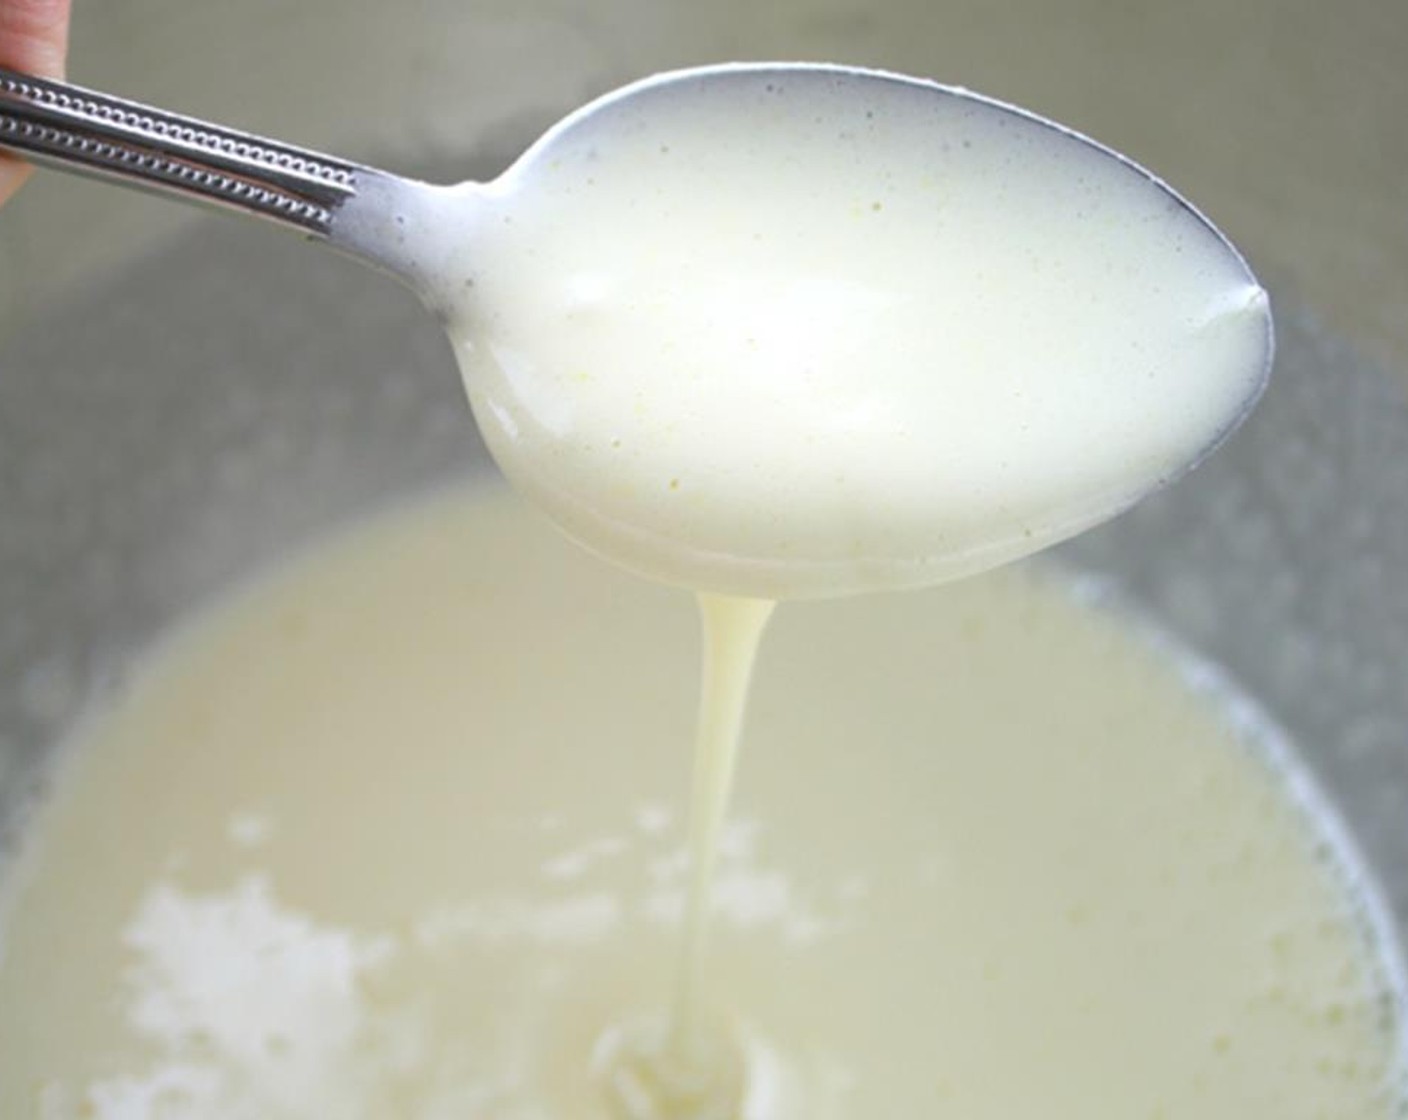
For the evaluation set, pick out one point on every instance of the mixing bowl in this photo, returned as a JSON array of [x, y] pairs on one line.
[[183, 398]]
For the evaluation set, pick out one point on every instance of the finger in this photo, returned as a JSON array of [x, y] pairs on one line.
[[13, 173], [33, 38]]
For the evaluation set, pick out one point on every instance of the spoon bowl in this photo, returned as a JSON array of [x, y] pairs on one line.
[[786, 331]]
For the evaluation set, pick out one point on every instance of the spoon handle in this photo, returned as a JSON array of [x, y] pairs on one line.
[[96, 134]]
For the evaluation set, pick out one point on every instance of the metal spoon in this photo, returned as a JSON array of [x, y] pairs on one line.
[[359, 210], [400, 226]]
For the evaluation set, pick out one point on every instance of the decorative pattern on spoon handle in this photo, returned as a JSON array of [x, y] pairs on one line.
[[97, 134]]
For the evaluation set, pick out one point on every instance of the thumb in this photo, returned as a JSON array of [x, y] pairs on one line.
[[33, 38]]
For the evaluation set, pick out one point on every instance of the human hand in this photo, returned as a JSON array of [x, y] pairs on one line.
[[33, 38]]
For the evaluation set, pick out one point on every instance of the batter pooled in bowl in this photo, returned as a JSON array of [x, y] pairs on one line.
[[857, 366], [398, 832]]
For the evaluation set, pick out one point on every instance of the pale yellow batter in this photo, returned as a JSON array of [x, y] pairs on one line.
[[398, 832], [793, 335]]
